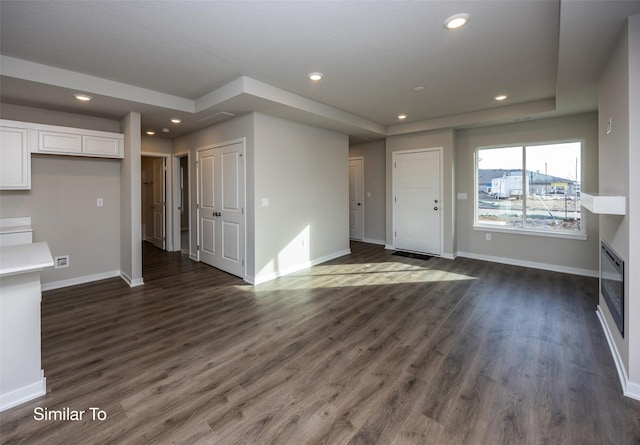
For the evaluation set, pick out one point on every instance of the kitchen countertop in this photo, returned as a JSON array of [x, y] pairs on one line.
[[23, 258]]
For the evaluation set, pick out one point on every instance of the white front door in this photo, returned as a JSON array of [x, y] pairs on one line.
[[221, 207], [159, 203], [417, 201], [356, 198]]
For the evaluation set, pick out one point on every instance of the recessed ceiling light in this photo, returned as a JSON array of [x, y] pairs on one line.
[[176, 120], [151, 133], [457, 21], [82, 97], [315, 76], [402, 116], [500, 97], [418, 89]]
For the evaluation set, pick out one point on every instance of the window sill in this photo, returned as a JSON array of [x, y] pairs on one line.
[[566, 235]]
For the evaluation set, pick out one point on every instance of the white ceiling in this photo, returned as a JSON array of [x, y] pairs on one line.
[[193, 59]]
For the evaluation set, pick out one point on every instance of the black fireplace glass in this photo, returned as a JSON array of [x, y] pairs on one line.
[[612, 283]]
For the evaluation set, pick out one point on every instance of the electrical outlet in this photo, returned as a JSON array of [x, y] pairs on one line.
[[61, 262], [99, 202], [487, 236]]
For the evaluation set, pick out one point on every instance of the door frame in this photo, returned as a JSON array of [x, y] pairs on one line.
[[168, 227], [242, 140], [394, 155], [361, 159], [175, 211]]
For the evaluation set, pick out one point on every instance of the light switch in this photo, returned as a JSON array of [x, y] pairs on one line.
[[368, 194], [99, 202], [265, 202]]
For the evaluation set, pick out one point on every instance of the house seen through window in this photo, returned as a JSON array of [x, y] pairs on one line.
[[532, 188]]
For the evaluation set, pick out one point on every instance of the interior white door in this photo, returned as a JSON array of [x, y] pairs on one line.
[[417, 201], [221, 213], [159, 203], [356, 198]]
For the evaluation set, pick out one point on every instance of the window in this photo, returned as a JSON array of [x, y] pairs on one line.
[[530, 188]]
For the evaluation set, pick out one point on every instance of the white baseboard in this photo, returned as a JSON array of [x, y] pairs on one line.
[[629, 389], [389, 247], [24, 394], [531, 264], [80, 280], [131, 282], [297, 267]]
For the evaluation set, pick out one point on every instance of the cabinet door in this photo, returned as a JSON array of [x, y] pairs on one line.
[[101, 146], [15, 159], [61, 143]]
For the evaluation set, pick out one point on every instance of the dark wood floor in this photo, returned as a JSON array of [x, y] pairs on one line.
[[366, 349]]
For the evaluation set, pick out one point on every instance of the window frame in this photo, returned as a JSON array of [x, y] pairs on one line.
[[478, 226]]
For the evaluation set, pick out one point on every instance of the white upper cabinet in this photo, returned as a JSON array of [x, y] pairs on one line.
[[15, 158], [19, 139], [102, 146], [52, 139], [78, 142], [59, 143]]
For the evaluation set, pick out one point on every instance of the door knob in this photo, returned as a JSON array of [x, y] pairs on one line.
[[435, 208]]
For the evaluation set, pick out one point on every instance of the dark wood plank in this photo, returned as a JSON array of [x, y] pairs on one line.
[[366, 348]]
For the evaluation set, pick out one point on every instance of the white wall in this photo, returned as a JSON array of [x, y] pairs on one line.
[[62, 206], [240, 127], [304, 173], [131, 202], [157, 145], [374, 185], [62, 202], [619, 98], [569, 255], [634, 205]]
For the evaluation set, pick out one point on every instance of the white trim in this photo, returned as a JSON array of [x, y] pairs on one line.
[[129, 281], [24, 394], [168, 195], [296, 268], [175, 213], [582, 236], [389, 247], [531, 264], [629, 389], [81, 280]]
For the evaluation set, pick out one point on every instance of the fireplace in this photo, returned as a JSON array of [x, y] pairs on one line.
[[612, 283]]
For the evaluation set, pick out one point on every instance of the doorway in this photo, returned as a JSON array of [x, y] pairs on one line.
[[417, 200], [221, 201], [182, 210], [356, 198], [154, 200]]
